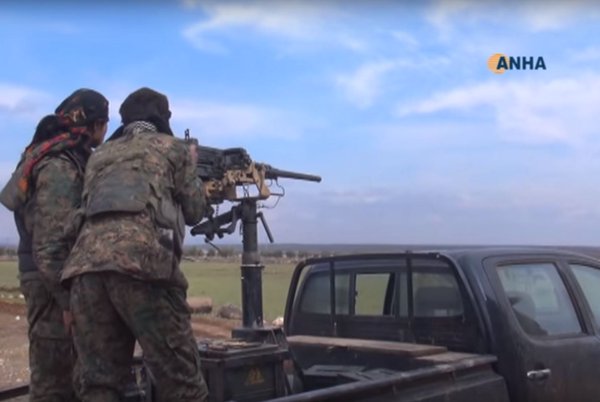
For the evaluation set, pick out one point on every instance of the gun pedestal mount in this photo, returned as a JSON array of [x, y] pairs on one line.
[[252, 329], [246, 211], [254, 367]]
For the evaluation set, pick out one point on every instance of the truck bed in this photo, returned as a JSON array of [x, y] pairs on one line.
[[348, 369]]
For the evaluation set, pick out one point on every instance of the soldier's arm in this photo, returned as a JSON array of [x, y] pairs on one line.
[[189, 191], [57, 194]]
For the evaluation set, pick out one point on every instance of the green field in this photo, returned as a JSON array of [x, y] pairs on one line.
[[222, 282], [219, 280], [8, 274]]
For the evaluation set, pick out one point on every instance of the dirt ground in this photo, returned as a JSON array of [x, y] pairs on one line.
[[13, 340], [13, 345]]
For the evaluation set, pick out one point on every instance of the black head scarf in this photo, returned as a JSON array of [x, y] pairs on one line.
[[145, 104]]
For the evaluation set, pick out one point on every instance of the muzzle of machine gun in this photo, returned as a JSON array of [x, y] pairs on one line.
[[272, 173]]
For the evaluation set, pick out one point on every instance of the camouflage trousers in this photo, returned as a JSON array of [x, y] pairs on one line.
[[51, 352], [111, 312]]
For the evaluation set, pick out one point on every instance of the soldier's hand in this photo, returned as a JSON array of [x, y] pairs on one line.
[[68, 321]]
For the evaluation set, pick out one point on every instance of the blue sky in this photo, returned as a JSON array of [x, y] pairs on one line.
[[416, 139]]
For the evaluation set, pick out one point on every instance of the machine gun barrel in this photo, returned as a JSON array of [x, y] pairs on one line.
[[274, 173]]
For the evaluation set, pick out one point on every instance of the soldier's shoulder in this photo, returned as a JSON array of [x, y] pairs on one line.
[[55, 163], [168, 144], [55, 170], [147, 144]]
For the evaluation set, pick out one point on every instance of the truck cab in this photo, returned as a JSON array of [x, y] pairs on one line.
[[536, 310]]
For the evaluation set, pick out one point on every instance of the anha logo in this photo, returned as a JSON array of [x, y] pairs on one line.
[[499, 63]]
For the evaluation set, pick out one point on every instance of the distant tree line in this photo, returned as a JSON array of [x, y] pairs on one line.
[[196, 252], [8, 251]]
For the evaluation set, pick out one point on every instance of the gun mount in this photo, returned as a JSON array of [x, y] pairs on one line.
[[223, 172]]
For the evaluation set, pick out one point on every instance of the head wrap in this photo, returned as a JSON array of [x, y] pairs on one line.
[[56, 133], [145, 104], [80, 109]]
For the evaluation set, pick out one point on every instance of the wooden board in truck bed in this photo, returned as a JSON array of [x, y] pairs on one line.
[[367, 345]]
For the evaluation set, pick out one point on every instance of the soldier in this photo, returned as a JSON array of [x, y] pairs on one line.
[[140, 191], [44, 190]]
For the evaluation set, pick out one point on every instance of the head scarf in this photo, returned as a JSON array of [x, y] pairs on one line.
[[64, 129], [145, 104], [80, 109]]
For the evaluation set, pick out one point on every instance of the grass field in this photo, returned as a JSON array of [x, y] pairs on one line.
[[222, 282], [8, 274], [219, 280]]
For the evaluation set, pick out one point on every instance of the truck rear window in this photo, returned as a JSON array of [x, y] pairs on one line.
[[316, 297], [408, 299], [384, 292], [436, 292]]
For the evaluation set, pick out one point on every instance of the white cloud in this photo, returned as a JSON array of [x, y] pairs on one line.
[[23, 101], [195, 35], [442, 13], [536, 16], [588, 54], [561, 110], [554, 16], [304, 22], [365, 84], [362, 86]]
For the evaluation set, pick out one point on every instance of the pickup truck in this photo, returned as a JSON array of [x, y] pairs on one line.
[[528, 319], [496, 324]]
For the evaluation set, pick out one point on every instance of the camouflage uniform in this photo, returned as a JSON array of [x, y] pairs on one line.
[[44, 246], [140, 190], [43, 192]]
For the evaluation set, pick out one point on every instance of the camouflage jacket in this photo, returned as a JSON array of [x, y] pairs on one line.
[[44, 245], [140, 191]]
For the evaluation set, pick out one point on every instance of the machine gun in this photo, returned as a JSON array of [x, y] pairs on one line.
[[224, 172]]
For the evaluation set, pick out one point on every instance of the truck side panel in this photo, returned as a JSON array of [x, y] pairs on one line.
[[470, 380]]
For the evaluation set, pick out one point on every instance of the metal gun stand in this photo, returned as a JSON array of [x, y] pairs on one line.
[[253, 329], [251, 270], [265, 347]]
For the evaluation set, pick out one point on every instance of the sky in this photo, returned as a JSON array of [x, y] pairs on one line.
[[392, 103]]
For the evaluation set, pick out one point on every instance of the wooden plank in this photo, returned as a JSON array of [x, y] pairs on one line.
[[447, 357], [367, 345]]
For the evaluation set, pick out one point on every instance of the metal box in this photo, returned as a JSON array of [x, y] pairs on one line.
[[243, 371]]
